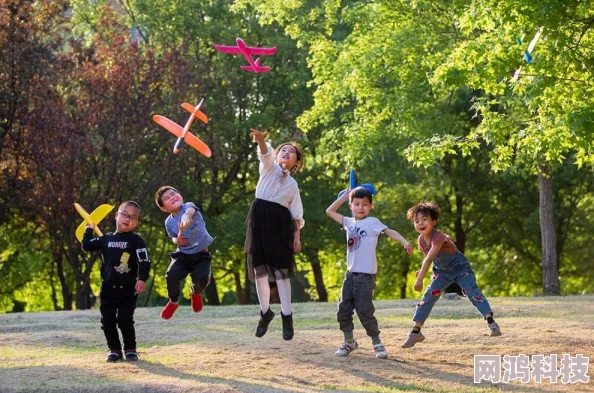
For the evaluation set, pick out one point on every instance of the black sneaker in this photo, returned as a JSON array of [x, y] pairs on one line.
[[114, 356], [131, 356], [264, 322], [288, 331]]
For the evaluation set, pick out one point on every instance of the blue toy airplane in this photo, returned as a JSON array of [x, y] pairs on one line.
[[353, 184]]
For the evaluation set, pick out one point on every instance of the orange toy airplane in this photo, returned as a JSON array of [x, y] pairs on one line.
[[183, 134]]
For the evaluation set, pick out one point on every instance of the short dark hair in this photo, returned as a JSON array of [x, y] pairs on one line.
[[160, 193], [360, 192], [130, 203], [425, 208]]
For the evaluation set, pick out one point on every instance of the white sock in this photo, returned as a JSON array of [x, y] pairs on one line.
[[263, 289], [284, 293]]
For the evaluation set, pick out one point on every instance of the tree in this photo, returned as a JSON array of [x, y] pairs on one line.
[[542, 118], [406, 62]]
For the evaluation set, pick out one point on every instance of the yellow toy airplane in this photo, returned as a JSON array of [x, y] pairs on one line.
[[94, 218], [182, 133]]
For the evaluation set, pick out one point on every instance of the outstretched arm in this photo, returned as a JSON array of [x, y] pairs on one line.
[[259, 138], [331, 211], [392, 234]]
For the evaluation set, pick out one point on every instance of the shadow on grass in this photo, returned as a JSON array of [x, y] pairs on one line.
[[160, 369], [360, 364]]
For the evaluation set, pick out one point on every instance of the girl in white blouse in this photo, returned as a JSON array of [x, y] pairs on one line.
[[273, 228]]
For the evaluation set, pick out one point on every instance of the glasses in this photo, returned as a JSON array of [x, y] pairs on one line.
[[131, 217]]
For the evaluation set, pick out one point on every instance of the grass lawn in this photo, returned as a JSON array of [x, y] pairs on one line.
[[216, 350]]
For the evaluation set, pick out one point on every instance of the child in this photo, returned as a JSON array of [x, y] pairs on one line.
[[188, 231], [449, 265], [273, 229], [357, 288], [125, 268]]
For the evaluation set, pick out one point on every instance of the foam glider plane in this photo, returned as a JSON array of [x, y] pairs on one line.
[[527, 53], [248, 52], [94, 218], [353, 184], [182, 133]]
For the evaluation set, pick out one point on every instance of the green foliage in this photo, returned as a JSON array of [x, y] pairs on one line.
[[417, 96]]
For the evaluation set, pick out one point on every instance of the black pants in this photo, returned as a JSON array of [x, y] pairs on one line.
[[196, 265], [117, 310]]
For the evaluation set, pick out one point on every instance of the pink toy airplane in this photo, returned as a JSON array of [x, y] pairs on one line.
[[183, 134], [247, 52]]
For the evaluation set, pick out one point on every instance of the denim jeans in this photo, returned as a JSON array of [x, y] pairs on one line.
[[357, 294], [460, 272]]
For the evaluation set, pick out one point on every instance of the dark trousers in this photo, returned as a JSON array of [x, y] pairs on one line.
[[196, 265], [117, 310], [357, 294]]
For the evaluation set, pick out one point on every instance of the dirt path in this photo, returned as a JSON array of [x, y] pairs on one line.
[[216, 351]]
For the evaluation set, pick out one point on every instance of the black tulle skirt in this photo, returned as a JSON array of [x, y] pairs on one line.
[[269, 241]]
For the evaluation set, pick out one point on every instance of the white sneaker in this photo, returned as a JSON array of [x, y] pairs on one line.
[[346, 348], [380, 351]]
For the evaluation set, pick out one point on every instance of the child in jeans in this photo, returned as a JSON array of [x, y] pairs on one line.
[[357, 288], [125, 268], [187, 229], [449, 266]]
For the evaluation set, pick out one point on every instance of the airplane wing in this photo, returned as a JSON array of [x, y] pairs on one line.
[[261, 51], [96, 216], [190, 108], [254, 69], [227, 49], [177, 130]]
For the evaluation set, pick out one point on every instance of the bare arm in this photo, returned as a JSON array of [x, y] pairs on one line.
[[296, 235], [259, 138], [435, 248], [187, 219], [331, 211], [392, 234]]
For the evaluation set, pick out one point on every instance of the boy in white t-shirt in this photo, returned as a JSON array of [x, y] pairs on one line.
[[357, 288]]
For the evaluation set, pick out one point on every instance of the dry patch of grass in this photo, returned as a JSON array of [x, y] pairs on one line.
[[216, 350]]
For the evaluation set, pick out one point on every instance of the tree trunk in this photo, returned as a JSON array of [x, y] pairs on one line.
[[83, 296], [247, 290], [212, 296], [239, 289], [53, 288], [66, 295], [550, 271], [459, 228], [404, 273], [460, 239], [319, 278]]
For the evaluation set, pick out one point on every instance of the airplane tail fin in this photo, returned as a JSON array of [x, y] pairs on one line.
[[255, 69], [199, 114]]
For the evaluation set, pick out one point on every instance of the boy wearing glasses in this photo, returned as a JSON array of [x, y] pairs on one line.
[[186, 228], [125, 268]]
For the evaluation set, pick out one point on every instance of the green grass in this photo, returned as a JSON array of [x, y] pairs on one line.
[[216, 351]]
